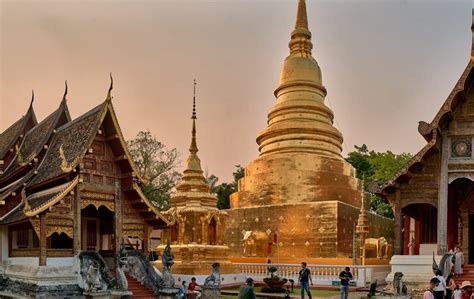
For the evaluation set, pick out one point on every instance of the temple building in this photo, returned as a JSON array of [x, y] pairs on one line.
[[431, 195], [68, 186], [299, 198], [198, 226]]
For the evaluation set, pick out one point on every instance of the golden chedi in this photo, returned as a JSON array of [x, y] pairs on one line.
[[299, 198], [197, 234]]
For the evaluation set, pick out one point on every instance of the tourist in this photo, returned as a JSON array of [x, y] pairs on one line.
[[246, 291], [440, 289], [345, 277], [429, 292], [466, 287], [193, 292], [458, 261], [450, 285], [183, 290], [304, 279], [457, 293]]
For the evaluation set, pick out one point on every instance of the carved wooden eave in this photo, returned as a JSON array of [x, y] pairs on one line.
[[14, 186], [455, 97], [431, 131], [152, 207], [57, 193], [127, 156], [65, 154], [403, 172]]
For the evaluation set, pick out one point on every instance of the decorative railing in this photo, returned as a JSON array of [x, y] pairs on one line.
[[321, 274]]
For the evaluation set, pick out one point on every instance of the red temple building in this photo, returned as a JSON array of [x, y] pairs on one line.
[[432, 195]]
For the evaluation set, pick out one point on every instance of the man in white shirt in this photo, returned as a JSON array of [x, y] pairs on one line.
[[440, 289]]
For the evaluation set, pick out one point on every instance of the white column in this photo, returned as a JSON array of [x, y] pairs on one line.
[[443, 198]]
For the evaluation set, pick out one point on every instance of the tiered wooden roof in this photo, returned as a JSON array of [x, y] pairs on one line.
[[430, 131], [44, 180], [13, 134]]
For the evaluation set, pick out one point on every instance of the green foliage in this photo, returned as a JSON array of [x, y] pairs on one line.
[[376, 167], [157, 165], [224, 190]]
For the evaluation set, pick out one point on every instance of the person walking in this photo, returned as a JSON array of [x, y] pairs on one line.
[[429, 292], [458, 261], [246, 291], [441, 288], [345, 277], [304, 279]]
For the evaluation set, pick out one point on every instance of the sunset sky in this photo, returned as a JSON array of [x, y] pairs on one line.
[[386, 66]]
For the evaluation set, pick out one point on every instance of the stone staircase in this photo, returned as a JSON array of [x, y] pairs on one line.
[[139, 291], [468, 274]]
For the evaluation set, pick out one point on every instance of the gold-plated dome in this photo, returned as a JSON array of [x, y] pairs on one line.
[[300, 122]]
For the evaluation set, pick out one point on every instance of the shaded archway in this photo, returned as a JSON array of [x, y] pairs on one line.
[[420, 228], [461, 216], [98, 230]]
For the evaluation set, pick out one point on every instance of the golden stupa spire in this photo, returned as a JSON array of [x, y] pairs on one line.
[[193, 177], [300, 122], [193, 148], [300, 42]]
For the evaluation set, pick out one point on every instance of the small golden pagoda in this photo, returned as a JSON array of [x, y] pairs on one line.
[[197, 234], [299, 198]]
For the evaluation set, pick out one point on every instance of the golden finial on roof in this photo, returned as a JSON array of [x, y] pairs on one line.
[[109, 96], [26, 204], [65, 90], [65, 165], [472, 33]]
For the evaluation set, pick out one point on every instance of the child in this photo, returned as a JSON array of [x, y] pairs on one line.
[[183, 290], [457, 293]]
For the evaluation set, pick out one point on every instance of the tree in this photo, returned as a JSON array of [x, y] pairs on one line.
[[376, 167], [224, 190], [157, 165]]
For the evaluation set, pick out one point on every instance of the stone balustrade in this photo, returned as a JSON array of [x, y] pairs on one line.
[[321, 274]]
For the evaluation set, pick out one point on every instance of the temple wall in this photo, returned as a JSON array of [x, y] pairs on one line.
[[307, 230], [296, 178], [302, 230], [379, 227]]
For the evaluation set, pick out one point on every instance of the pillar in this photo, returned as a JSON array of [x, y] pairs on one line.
[[4, 244], [118, 216], [443, 198], [43, 240], [146, 238], [397, 211], [76, 206]]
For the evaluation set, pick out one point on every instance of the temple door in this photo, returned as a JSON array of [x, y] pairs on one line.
[[91, 234]]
